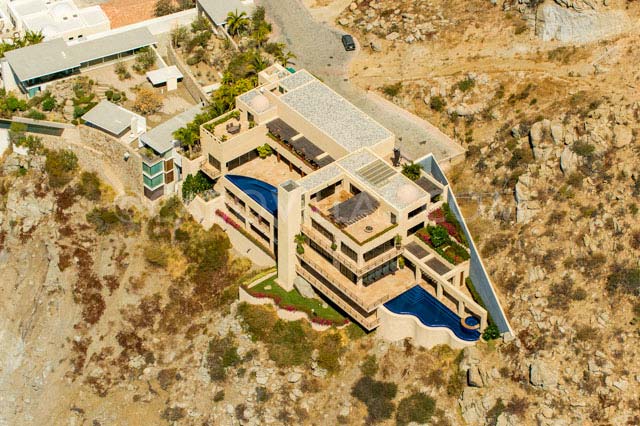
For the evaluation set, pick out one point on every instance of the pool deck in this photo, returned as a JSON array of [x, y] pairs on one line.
[[268, 170]]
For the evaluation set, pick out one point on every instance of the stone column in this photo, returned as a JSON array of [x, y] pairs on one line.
[[289, 225]]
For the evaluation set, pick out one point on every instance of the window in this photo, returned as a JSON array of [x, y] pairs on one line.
[[280, 89], [168, 178], [417, 211], [377, 251], [322, 230], [152, 183], [215, 163], [168, 165], [322, 252], [394, 219], [242, 159], [380, 272], [354, 190], [152, 170], [349, 252]]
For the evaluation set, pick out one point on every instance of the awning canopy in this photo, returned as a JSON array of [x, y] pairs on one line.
[[429, 186], [307, 148], [355, 208], [325, 161]]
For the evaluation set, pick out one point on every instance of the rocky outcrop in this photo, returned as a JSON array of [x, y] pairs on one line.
[[526, 204], [577, 24], [542, 376]]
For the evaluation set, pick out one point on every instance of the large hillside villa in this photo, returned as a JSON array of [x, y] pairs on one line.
[[316, 182]]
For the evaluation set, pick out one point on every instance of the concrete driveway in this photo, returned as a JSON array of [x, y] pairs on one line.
[[319, 49]]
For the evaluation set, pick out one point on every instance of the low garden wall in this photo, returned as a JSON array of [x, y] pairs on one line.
[[188, 80], [283, 314]]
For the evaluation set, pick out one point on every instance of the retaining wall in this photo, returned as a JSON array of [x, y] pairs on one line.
[[477, 271], [189, 80]]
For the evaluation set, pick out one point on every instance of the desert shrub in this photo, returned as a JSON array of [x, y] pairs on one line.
[[520, 157], [60, 167], [164, 7], [495, 245], [466, 84], [412, 171], [221, 354], [49, 103], [147, 101], [561, 294], [145, 60], [437, 103], [418, 408], [262, 394], [173, 414], [625, 280], [377, 396], [121, 71], [218, 396], [392, 90], [355, 332], [36, 115], [495, 412], [517, 406], [32, 143], [89, 186], [586, 333], [369, 366], [156, 255], [106, 220], [583, 149], [330, 349]]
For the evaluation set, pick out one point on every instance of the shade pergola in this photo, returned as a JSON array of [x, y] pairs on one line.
[[282, 130], [305, 147], [429, 186], [355, 208], [325, 161]]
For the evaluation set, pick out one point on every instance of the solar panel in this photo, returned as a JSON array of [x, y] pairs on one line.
[[377, 173]]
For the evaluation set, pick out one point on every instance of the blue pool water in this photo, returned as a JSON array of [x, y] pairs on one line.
[[430, 311], [261, 192]]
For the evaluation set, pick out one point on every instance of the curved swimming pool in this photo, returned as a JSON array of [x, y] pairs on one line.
[[430, 311], [259, 191]]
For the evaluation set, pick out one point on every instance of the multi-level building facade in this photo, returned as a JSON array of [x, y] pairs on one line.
[[317, 182]]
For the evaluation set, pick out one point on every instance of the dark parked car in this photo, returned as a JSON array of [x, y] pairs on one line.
[[348, 42]]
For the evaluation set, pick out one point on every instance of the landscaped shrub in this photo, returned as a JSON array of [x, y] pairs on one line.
[[412, 171], [264, 151], [418, 408], [121, 71], [491, 332], [147, 102], [377, 396], [60, 167], [221, 354], [195, 184], [49, 103], [330, 349], [466, 84]]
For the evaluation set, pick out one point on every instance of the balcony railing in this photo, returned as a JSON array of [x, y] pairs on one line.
[[321, 240], [369, 323]]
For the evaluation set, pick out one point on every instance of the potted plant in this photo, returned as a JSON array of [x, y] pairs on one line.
[[334, 246], [401, 262], [300, 239], [398, 241]]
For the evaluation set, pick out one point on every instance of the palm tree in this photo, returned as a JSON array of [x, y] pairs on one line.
[[260, 33], [186, 137], [258, 62], [33, 37], [237, 22], [285, 58]]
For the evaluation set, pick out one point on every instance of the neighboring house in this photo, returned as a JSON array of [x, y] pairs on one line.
[[335, 212], [31, 68], [115, 121], [217, 10], [161, 164], [57, 18]]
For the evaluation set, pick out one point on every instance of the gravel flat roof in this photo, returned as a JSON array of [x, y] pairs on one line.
[[335, 116], [296, 80]]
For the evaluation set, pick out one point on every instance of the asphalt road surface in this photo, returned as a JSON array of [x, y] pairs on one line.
[[319, 49]]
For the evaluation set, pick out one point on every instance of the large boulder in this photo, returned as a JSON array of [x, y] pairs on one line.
[[304, 288], [568, 161], [542, 375], [554, 22], [622, 136]]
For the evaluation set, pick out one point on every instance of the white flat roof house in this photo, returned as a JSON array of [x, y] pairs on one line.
[[217, 10], [35, 66], [57, 18]]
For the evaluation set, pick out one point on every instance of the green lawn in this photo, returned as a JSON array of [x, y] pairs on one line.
[[295, 300]]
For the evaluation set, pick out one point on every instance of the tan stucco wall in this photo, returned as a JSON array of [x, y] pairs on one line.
[[394, 327]]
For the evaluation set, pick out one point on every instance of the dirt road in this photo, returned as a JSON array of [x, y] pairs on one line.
[[319, 49]]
